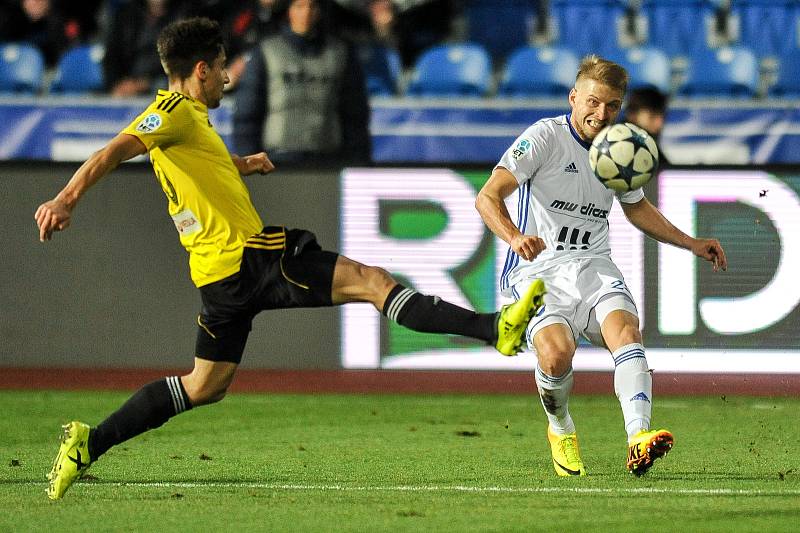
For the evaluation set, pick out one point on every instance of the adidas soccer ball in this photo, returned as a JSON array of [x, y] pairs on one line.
[[623, 157]]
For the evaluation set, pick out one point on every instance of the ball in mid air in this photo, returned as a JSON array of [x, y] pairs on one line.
[[623, 157]]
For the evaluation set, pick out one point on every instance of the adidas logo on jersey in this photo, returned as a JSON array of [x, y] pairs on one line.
[[571, 168]]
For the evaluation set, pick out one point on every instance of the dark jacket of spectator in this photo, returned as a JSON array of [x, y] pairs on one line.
[[131, 65], [303, 99], [39, 22]]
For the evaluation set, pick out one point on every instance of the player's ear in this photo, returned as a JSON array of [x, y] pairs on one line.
[[572, 94], [201, 68]]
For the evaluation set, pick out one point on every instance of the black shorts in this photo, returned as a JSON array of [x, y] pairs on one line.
[[280, 269]]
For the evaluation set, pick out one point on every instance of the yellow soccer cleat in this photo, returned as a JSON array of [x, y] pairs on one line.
[[647, 446], [566, 455], [72, 459], [514, 319]]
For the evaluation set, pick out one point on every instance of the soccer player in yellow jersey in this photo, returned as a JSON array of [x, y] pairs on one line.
[[239, 266]]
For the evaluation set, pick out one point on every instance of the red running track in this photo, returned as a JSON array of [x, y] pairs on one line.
[[398, 381]]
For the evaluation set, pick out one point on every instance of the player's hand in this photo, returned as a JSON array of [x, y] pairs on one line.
[[527, 246], [250, 164], [711, 250], [52, 216]]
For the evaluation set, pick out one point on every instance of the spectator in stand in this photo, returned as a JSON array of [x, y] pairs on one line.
[[302, 97], [244, 23], [39, 22], [243, 30], [647, 108], [409, 26], [84, 15], [383, 15], [131, 66]]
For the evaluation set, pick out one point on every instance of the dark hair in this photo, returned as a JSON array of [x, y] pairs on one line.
[[647, 98], [185, 42]]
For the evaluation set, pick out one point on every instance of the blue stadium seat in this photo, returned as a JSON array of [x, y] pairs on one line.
[[646, 66], [21, 68], [382, 69], [80, 70], [501, 27], [678, 27], [532, 71], [787, 83], [731, 71], [452, 70], [769, 27], [589, 26]]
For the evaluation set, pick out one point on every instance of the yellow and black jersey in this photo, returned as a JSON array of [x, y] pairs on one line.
[[208, 201]]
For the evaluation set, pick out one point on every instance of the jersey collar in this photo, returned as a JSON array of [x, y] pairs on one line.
[[574, 133], [163, 93]]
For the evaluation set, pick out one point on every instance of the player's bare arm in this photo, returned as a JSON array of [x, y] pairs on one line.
[[56, 214], [648, 219], [491, 205], [251, 164]]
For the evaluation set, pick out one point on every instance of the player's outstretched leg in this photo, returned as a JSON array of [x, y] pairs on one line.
[[647, 446], [72, 459], [514, 318], [566, 454], [430, 314]]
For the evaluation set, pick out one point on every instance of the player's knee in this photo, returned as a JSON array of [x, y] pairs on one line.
[[204, 392], [377, 280], [629, 334], [207, 396], [555, 358]]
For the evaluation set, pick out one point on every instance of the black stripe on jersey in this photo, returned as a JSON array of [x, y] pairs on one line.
[[166, 101], [174, 104], [168, 104]]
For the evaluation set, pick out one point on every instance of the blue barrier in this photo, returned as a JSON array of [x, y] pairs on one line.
[[426, 131]]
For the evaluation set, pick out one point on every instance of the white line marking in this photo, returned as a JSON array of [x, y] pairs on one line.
[[12, 141], [439, 488]]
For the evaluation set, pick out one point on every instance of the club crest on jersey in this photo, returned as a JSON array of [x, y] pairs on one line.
[[150, 123], [523, 146]]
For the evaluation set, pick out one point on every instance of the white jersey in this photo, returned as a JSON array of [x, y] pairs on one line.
[[560, 200]]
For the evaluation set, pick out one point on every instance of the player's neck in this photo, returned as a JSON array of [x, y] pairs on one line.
[[189, 87]]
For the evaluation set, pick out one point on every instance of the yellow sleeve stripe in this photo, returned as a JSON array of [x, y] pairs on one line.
[[270, 235], [262, 240], [267, 241], [264, 246]]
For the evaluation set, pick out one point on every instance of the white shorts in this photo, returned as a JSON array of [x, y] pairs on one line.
[[580, 294]]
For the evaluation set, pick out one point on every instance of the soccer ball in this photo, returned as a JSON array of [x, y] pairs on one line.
[[623, 157]]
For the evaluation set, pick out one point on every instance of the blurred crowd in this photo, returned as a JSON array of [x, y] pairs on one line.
[[128, 29], [297, 66]]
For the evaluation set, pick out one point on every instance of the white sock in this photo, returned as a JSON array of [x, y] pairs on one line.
[[554, 394], [633, 385]]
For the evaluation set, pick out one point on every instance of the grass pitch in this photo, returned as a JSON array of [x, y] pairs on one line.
[[404, 463]]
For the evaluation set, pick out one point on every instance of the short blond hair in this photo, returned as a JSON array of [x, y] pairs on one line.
[[594, 67]]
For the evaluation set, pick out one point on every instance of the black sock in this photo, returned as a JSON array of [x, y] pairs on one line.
[[431, 314], [148, 408]]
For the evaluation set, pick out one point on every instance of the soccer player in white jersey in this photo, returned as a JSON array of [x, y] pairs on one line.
[[562, 239]]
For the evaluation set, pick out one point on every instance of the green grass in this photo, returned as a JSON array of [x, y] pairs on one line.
[[404, 463]]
